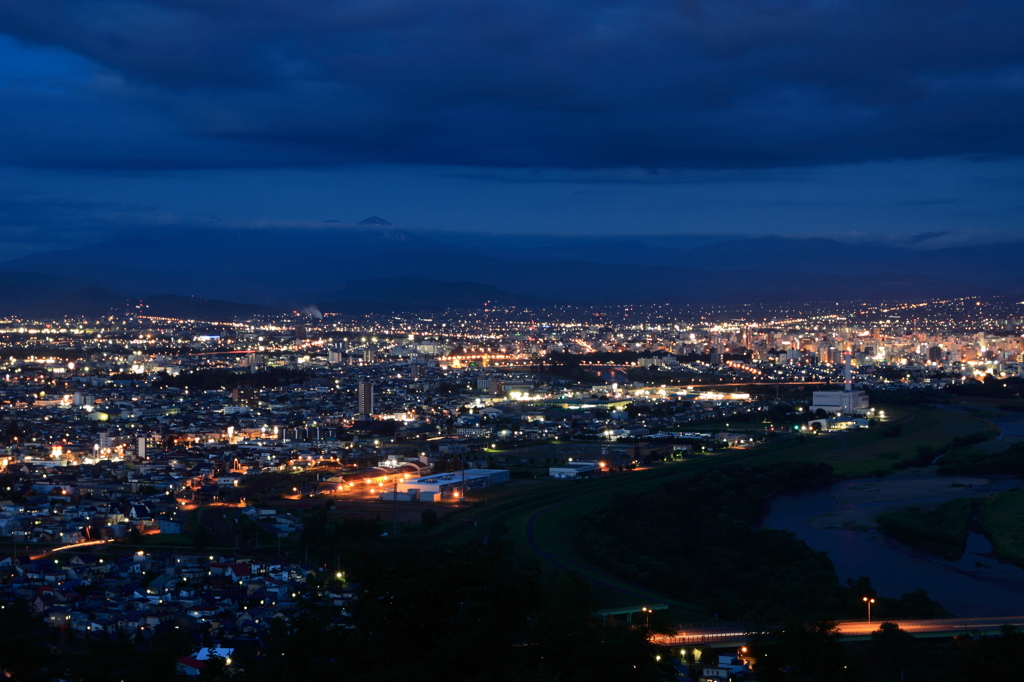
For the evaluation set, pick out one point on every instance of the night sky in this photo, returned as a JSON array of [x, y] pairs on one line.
[[876, 119]]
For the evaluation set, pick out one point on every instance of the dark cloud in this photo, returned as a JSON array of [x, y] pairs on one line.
[[31, 223], [925, 202], [926, 236], [518, 83], [24, 209]]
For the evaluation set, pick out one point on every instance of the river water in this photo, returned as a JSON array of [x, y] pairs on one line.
[[975, 585], [1010, 429], [610, 375]]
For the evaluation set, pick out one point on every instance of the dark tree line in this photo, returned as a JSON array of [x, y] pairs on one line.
[[991, 387], [972, 461], [812, 652]]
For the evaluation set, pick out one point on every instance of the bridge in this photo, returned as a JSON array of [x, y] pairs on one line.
[[628, 611], [738, 634]]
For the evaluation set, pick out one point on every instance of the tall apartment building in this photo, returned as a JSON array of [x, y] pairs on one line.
[[365, 397]]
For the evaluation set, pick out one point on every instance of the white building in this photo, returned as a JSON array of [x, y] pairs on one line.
[[437, 487], [840, 402], [574, 470]]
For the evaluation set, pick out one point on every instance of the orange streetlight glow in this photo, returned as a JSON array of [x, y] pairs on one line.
[[869, 602]]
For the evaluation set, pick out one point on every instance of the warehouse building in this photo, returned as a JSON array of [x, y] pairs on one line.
[[438, 487], [575, 470]]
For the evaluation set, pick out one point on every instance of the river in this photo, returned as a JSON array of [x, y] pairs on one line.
[[610, 375], [838, 520]]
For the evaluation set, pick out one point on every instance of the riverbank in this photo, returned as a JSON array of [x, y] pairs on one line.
[[839, 520], [1002, 520], [859, 503], [942, 530]]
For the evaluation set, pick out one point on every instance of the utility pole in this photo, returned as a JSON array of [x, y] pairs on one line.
[[394, 508]]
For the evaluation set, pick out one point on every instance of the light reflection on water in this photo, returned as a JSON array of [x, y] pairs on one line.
[[610, 376]]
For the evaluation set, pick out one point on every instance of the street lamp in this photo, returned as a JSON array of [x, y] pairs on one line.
[[647, 616], [869, 602]]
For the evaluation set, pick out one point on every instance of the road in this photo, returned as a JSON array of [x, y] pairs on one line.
[[849, 629], [589, 572], [925, 627], [61, 548]]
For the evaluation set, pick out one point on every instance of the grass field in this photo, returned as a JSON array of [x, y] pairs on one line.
[[942, 530], [1002, 519], [865, 452]]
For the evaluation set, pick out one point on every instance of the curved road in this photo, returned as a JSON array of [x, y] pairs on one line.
[[589, 572]]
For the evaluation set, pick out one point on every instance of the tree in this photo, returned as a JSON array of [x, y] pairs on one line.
[[800, 652], [995, 658], [173, 644], [429, 518], [892, 431], [890, 647], [216, 669], [13, 433], [201, 537], [23, 653]]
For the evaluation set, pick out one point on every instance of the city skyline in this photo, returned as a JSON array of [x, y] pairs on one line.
[[210, 481]]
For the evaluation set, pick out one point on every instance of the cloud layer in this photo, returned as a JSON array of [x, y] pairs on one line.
[[510, 83]]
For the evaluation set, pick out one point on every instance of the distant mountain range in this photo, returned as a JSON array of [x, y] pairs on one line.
[[60, 298], [375, 267], [194, 308], [37, 296], [373, 220], [416, 294]]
